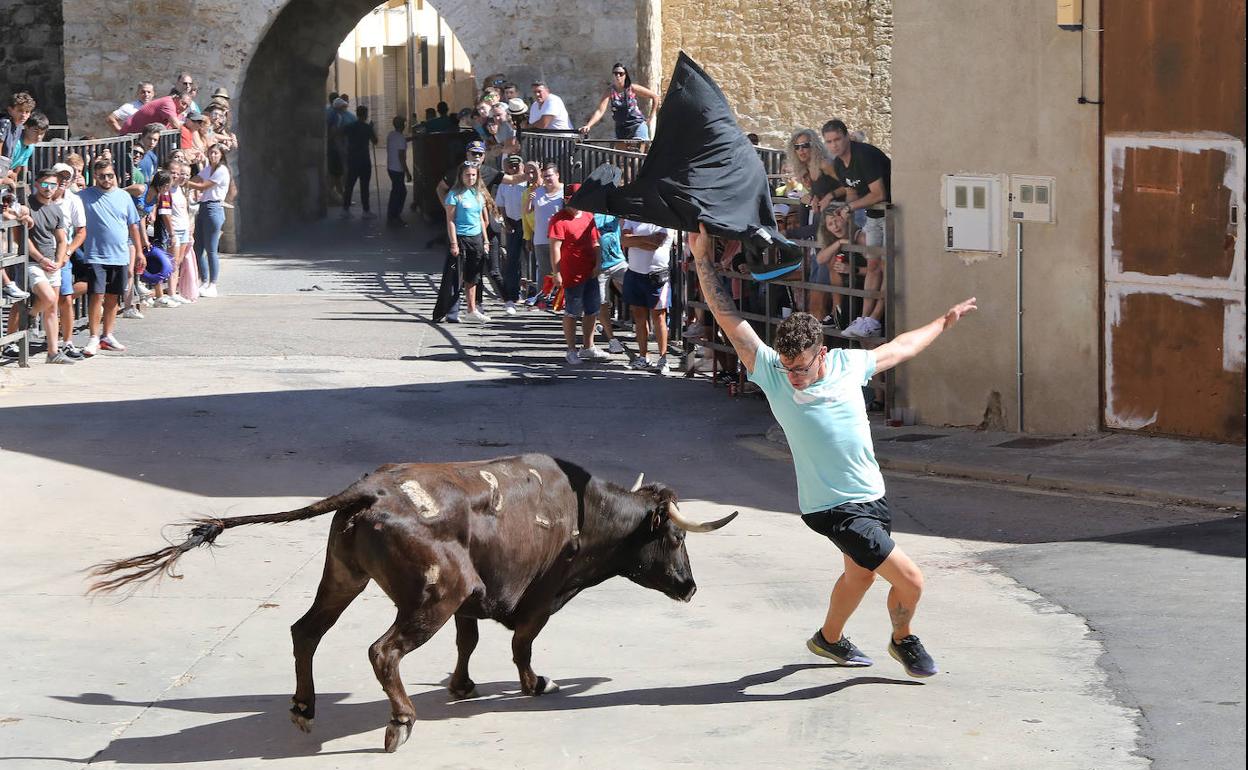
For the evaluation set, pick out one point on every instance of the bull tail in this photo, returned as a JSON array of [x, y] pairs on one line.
[[136, 570]]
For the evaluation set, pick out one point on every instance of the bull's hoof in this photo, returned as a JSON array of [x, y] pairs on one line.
[[468, 689], [545, 686], [301, 716], [303, 723], [396, 734]]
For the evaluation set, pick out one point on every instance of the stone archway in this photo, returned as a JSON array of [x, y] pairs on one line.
[[280, 94]]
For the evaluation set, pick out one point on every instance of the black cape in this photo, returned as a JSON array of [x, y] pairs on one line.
[[700, 168]]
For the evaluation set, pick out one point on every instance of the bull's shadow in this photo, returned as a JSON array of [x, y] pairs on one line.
[[268, 734]]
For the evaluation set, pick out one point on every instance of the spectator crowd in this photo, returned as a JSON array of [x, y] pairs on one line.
[[122, 237], [150, 239]]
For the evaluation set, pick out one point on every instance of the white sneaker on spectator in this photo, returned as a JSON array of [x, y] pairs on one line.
[[132, 312], [142, 289], [109, 342], [178, 298], [640, 363], [870, 328], [476, 315], [92, 347], [167, 301], [572, 358], [662, 367], [510, 308], [60, 358], [14, 293], [593, 353], [854, 330], [147, 302], [11, 351], [208, 290], [614, 346]]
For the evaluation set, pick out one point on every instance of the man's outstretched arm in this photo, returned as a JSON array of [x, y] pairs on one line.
[[906, 346], [739, 332]]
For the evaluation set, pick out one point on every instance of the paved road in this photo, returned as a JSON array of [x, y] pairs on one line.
[[1073, 632]]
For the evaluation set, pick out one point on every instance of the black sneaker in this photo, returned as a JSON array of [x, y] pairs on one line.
[[71, 351], [843, 652], [909, 652]]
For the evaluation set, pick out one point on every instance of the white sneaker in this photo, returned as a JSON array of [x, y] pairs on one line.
[[109, 342], [141, 289], [477, 315], [92, 347], [640, 364], [131, 312], [573, 358], [147, 302], [208, 290], [167, 301], [178, 298], [14, 293], [593, 354], [510, 308], [662, 368], [870, 328], [854, 329], [614, 346]]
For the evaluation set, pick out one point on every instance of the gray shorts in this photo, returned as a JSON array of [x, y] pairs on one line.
[[614, 276]]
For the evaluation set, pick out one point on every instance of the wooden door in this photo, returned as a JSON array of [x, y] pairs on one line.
[[1173, 123]]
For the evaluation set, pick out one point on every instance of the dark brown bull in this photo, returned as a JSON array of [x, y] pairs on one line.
[[511, 539]]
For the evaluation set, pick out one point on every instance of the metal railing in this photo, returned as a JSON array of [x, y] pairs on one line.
[[577, 158], [13, 254]]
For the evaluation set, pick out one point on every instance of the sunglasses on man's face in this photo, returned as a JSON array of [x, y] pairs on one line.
[[105, 176], [802, 146], [49, 185]]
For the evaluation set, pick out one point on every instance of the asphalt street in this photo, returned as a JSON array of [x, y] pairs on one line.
[[1073, 631]]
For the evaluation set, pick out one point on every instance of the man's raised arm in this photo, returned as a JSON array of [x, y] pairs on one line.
[[739, 332]]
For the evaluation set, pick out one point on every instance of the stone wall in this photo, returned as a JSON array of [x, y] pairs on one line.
[[30, 48], [786, 64], [273, 56]]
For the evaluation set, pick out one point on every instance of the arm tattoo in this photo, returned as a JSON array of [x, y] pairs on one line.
[[713, 289]]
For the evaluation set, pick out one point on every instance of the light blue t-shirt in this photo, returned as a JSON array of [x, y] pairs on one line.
[[467, 211], [827, 428], [109, 216], [609, 240]]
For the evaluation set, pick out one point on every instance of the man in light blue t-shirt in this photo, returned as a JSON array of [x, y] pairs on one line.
[[112, 226], [816, 395]]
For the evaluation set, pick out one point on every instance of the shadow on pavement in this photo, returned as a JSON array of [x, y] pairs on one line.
[[1224, 537], [268, 734]]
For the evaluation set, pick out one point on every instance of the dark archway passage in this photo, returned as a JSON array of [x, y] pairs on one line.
[[281, 115]]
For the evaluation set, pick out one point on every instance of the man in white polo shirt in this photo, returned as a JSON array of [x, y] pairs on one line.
[[548, 110], [647, 287]]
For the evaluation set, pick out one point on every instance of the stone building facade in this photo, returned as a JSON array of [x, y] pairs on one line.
[[30, 49], [787, 63]]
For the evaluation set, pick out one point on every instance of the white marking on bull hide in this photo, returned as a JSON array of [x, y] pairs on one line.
[[537, 476], [432, 574], [496, 497], [420, 499], [542, 522]]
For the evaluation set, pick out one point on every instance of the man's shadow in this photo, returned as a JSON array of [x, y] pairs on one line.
[[268, 734]]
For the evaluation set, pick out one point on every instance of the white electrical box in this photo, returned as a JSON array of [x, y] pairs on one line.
[[1031, 198], [974, 209]]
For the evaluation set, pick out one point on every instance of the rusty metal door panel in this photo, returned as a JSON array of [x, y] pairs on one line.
[[1173, 126], [1175, 215], [1171, 367], [1173, 65]]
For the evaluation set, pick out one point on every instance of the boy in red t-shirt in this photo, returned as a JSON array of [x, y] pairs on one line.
[[574, 260]]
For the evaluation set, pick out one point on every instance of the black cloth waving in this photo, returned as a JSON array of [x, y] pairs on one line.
[[700, 168]]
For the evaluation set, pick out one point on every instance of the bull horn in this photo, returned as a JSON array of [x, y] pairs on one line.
[[688, 525], [637, 483]]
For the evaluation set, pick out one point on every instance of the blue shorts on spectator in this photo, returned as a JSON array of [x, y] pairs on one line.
[[642, 291], [582, 300]]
